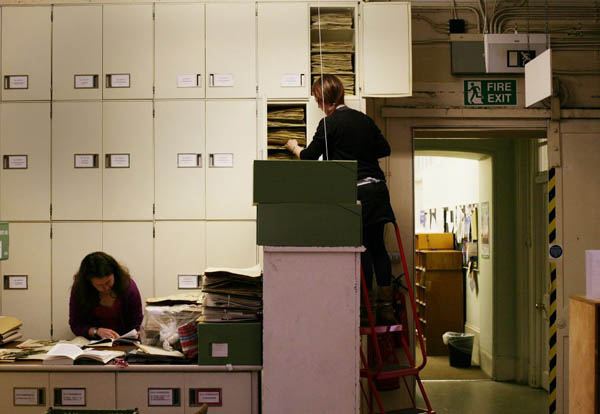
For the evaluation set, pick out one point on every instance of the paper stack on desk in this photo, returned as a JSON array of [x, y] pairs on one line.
[[231, 294], [69, 354], [9, 329]]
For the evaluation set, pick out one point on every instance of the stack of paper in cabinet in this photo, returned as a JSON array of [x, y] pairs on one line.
[[332, 63], [9, 329], [231, 295], [332, 21]]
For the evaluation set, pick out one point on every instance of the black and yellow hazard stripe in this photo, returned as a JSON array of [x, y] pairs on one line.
[[552, 330]]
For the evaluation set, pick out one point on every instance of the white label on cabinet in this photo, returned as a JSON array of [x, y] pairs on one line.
[[187, 81], [208, 396], [85, 161], [119, 160], [291, 80], [121, 80], [223, 160], [222, 79], [160, 396], [220, 350], [189, 160], [85, 81], [15, 162], [16, 281], [18, 82], [26, 396], [72, 396], [188, 281]]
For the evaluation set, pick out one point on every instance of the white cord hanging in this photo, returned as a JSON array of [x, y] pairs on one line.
[[321, 79]]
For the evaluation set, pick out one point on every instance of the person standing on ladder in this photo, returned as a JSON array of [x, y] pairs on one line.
[[347, 134]]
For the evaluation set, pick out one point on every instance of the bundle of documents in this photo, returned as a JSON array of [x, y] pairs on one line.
[[231, 294], [347, 81], [333, 46], [128, 338], [69, 354], [145, 354], [331, 63], [332, 20], [281, 136], [9, 329], [287, 116], [280, 153]]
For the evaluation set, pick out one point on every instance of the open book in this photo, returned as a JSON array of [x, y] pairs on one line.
[[68, 354], [128, 338]]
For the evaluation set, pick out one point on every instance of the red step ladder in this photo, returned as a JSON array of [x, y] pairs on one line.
[[380, 367]]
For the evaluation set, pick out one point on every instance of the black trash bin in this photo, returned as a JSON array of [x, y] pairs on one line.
[[460, 346]]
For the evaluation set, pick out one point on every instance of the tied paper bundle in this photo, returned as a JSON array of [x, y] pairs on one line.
[[332, 63], [231, 294], [347, 81], [281, 136], [10, 329], [333, 46], [332, 21], [293, 116]]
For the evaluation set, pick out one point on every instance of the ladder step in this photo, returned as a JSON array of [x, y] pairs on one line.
[[379, 330]]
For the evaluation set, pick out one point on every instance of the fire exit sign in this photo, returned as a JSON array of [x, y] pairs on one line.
[[490, 92]]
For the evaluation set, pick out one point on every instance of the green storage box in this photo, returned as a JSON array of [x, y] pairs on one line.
[[301, 224], [3, 240], [235, 343], [305, 181]]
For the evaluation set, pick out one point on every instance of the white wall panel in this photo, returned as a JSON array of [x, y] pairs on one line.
[[230, 50], [179, 132], [128, 43], [77, 50], [180, 249], [30, 256], [8, 382], [76, 131], [25, 131], [283, 50], [132, 245], [231, 244], [179, 51], [100, 392], [71, 242], [231, 130], [128, 192], [26, 51]]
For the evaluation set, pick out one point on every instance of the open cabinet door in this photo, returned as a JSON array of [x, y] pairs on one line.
[[386, 54]]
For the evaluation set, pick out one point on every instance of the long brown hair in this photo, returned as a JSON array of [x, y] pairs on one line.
[[98, 264], [330, 90]]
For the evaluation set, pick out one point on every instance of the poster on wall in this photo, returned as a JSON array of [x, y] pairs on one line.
[[485, 230]]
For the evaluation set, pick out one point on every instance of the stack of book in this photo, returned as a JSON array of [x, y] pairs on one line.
[[9, 329], [231, 295]]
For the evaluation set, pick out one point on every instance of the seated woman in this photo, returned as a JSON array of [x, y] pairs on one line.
[[105, 302]]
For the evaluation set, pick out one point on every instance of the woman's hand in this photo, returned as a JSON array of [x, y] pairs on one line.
[[107, 333], [293, 147]]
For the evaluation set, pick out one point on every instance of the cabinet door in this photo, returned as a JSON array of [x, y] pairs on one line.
[[283, 50], [231, 244], [30, 259], [180, 249], [76, 162], [157, 393], [386, 54], [98, 389], [179, 50], [231, 149], [128, 35], [24, 392], [77, 52], [180, 159], [127, 182], [71, 242], [235, 388], [26, 53], [230, 50], [25, 151], [131, 245]]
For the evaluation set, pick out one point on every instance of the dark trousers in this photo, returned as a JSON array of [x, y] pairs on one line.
[[376, 256]]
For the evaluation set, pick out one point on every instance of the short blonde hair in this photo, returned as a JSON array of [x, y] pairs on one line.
[[330, 89]]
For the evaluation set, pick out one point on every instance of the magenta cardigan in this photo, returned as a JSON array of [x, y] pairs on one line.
[[131, 313]]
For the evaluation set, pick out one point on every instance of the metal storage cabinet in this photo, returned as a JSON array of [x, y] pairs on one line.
[[24, 380], [26, 52], [179, 249], [231, 244], [128, 187], [25, 188], [230, 50], [77, 52], [283, 50], [386, 54], [71, 242], [29, 256], [236, 391], [138, 386], [180, 159], [99, 389], [128, 42], [231, 147], [76, 161], [131, 245], [179, 51]]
